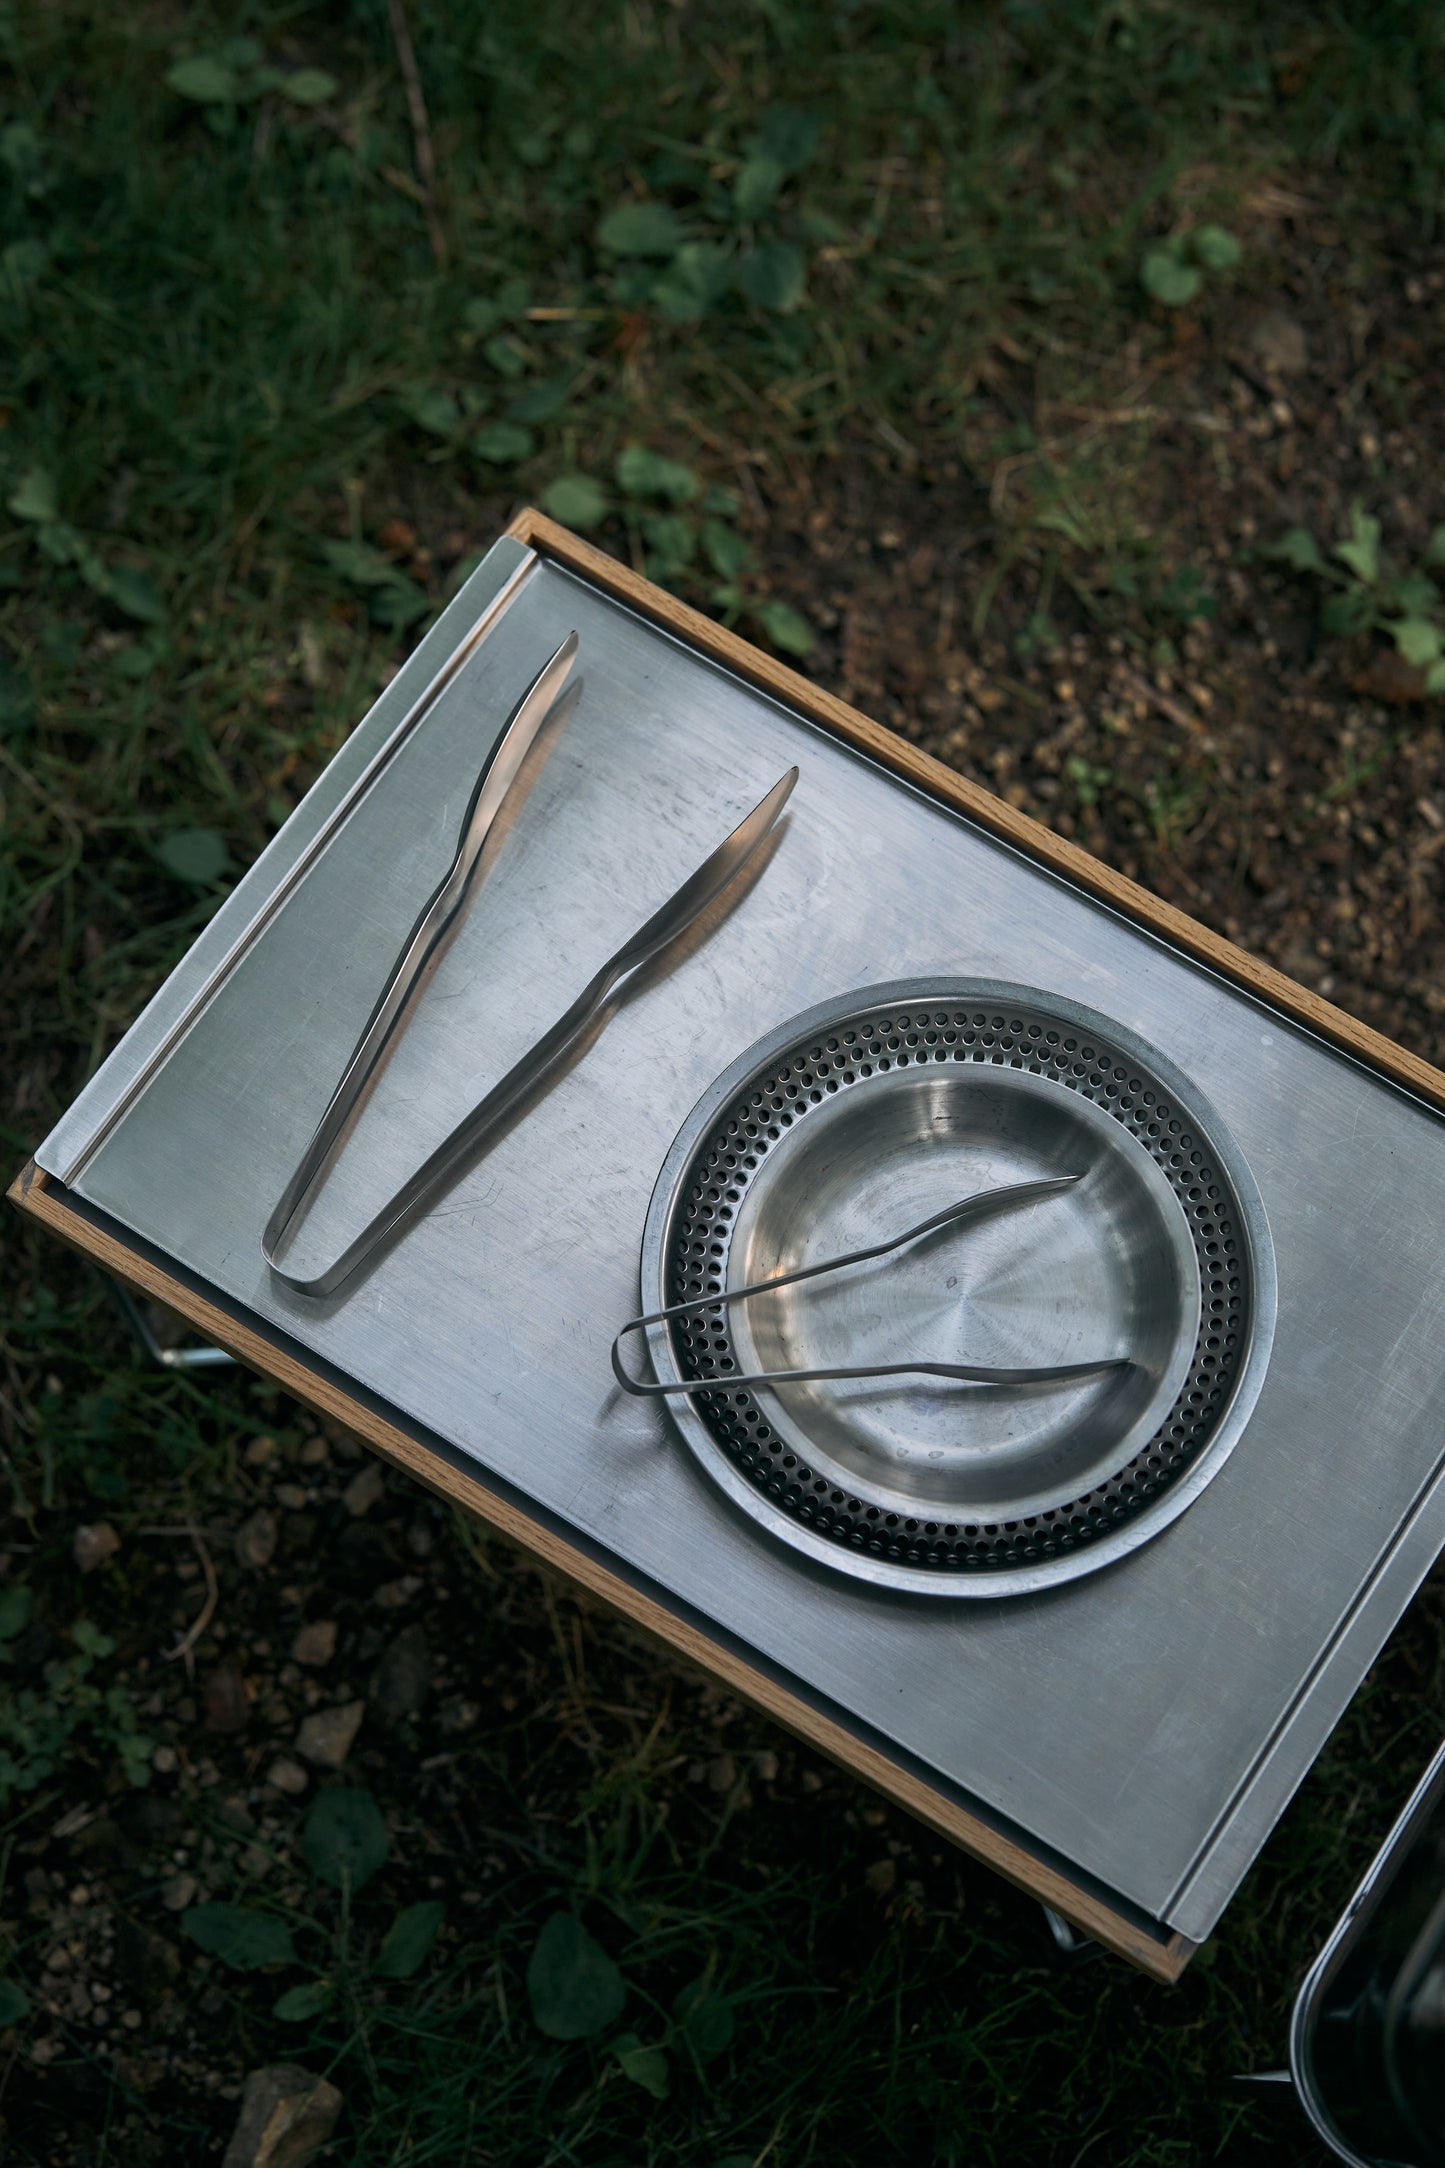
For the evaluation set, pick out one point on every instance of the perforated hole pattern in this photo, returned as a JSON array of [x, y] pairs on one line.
[[917, 1037]]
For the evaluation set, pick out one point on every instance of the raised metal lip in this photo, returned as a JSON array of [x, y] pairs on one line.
[[889, 1575], [1351, 1924]]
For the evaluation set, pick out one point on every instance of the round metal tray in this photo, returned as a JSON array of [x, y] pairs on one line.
[[862, 1117]]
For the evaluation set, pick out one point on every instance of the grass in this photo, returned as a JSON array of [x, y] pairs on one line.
[[275, 363]]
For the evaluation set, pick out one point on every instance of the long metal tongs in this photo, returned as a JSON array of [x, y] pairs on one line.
[[688, 902], [969, 1209]]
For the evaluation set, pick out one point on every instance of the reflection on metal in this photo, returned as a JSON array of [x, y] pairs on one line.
[[1367, 2041], [702, 887], [1126, 1327], [965, 1213], [493, 786], [173, 1358], [1068, 1941]]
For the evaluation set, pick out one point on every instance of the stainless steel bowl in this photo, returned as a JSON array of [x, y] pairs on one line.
[[859, 1119]]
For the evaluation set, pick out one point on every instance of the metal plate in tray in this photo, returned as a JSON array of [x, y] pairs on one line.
[[868, 1114]]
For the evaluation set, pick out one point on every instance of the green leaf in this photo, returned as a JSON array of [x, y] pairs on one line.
[[308, 86], [541, 402], [359, 563], [242, 1939], [25, 260], [407, 1943], [14, 1610], [1417, 640], [576, 500], [1435, 678], [393, 600], [345, 1837], [33, 497], [501, 443], [1298, 548], [205, 79], [727, 552], [298, 2003], [698, 275], [1362, 551], [641, 229], [1435, 548], [787, 135], [786, 627], [774, 277], [1415, 595], [641, 473], [1216, 247], [1352, 611], [506, 356], [198, 855], [14, 2004], [398, 604], [133, 591], [431, 408], [574, 1988], [646, 2067], [757, 184], [1166, 279], [671, 541], [20, 149], [706, 2017]]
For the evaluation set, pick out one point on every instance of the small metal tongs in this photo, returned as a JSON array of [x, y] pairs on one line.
[[969, 1209], [493, 785]]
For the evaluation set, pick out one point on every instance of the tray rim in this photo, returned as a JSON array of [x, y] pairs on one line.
[[1142, 1527]]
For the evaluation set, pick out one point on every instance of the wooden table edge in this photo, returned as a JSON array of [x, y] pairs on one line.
[[1163, 1957], [1412, 1071]]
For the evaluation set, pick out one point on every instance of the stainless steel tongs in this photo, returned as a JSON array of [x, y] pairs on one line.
[[497, 777], [983, 1206]]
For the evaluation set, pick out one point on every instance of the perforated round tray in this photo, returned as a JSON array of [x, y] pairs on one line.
[[861, 1118]]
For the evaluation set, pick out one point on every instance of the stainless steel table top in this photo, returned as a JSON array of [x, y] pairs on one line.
[[1148, 1723]]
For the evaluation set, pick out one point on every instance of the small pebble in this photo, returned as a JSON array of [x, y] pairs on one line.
[[325, 1738], [164, 1760], [94, 1543], [291, 1496], [766, 1765], [315, 1644], [260, 1452], [364, 1489], [256, 1540], [285, 1775], [226, 1703], [722, 1773], [178, 1891], [392, 1595]]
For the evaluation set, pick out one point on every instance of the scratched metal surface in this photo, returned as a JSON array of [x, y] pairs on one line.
[[1149, 1722]]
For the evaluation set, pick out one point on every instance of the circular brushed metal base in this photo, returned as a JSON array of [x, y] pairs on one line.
[[862, 1117]]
